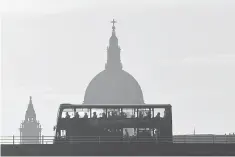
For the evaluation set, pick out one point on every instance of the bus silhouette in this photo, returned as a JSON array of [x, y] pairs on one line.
[[113, 123]]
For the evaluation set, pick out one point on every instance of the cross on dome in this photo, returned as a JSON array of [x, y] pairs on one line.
[[113, 22]]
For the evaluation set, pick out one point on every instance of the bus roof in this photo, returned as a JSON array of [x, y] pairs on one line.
[[65, 105]]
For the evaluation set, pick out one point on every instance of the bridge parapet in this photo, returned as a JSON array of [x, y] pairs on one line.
[[206, 139]]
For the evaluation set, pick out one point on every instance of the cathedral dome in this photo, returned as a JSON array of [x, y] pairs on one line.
[[113, 87]]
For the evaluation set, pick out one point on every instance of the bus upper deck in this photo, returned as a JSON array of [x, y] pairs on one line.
[[111, 110]]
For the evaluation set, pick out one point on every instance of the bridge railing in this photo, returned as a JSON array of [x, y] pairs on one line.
[[226, 139]]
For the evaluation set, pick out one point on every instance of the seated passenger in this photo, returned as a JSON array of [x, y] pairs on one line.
[[104, 116], [86, 115], [147, 114], [141, 114], [94, 115], [166, 113], [123, 115], [158, 117], [76, 115], [126, 134], [67, 115], [110, 115]]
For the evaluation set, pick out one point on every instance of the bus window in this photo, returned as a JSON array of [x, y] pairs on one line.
[[156, 132], [69, 111], [144, 113], [113, 112], [63, 133], [159, 112], [128, 113], [129, 132], [83, 112], [145, 132], [57, 134], [167, 113], [98, 112]]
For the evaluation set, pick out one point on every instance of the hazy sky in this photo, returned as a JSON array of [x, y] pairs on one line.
[[184, 55]]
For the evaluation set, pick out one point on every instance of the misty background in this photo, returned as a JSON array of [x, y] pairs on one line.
[[181, 52]]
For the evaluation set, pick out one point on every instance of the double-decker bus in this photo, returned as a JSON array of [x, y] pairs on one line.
[[87, 123]]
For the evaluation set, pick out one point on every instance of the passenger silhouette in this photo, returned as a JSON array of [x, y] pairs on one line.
[[67, 115], [94, 115], [122, 114], [86, 115], [110, 115], [141, 114], [126, 134], [166, 113], [158, 116], [104, 116], [77, 115]]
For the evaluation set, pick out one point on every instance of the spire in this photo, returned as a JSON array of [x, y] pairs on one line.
[[113, 27], [113, 41], [30, 100], [30, 113], [113, 54]]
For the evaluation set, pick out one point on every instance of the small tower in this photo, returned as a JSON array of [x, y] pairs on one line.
[[30, 128]]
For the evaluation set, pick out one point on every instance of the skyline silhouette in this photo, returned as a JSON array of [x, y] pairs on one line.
[[182, 64]]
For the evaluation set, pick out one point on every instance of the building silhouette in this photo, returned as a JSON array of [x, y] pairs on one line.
[[113, 85], [30, 128]]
